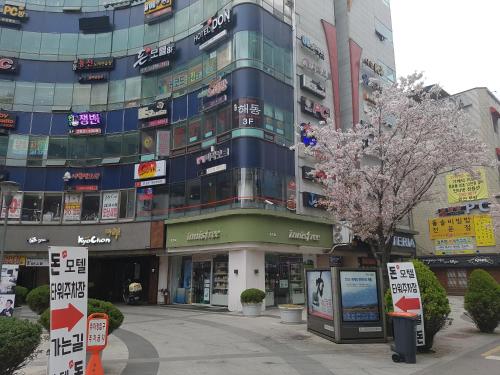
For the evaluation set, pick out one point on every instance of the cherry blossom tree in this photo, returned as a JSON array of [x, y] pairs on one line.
[[374, 174]]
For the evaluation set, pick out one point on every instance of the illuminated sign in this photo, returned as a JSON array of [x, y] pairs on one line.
[[212, 155], [482, 206], [92, 64], [214, 29], [217, 87], [153, 59], [247, 112], [85, 176], [313, 47], [156, 10], [7, 120], [93, 77], [377, 68], [8, 65], [213, 97], [13, 15], [314, 109], [314, 87], [156, 109], [154, 123], [150, 169], [87, 123]]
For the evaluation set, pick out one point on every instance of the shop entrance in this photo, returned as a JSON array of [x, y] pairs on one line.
[[201, 282], [284, 279]]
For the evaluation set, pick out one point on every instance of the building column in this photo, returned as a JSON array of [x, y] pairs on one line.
[[162, 278], [246, 270]]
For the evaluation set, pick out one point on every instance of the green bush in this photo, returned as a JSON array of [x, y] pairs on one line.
[[252, 296], [39, 299], [18, 342], [21, 293], [93, 306], [482, 300], [435, 303]]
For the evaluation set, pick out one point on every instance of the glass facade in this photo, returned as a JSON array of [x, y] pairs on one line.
[[251, 116]]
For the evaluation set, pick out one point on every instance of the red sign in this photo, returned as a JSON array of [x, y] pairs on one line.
[[406, 304], [97, 339], [65, 318], [86, 188]]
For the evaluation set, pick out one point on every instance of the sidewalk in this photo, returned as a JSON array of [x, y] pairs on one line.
[[162, 340]]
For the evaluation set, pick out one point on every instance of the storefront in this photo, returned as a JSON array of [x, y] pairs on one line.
[[453, 271], [214, 258], [117, 252]]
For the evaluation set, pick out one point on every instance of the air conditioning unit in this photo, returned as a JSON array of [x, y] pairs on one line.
[[341, 233]]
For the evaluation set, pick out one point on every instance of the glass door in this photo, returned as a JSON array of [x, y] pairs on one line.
[[201, 282]]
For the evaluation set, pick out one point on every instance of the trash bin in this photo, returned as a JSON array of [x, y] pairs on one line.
[[405, 337]]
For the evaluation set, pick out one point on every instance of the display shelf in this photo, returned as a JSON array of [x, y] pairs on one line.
[[220, 283]]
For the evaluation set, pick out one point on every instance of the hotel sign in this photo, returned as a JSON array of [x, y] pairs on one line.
[[214, 29], [156, 10], [154, 59]]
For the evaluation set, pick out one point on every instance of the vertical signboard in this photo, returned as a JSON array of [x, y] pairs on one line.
[[406, 294], [320, 302], [8, 281], [110, 205], [68, 309]]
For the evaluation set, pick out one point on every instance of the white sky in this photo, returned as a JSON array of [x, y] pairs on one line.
[[456, 43]]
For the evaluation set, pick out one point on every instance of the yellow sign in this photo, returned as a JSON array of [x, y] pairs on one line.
[[14, 259], [152, 6], [485, 234], [452, 226], [464, 187]]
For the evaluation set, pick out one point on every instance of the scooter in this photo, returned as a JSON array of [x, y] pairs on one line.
[[132, 293]]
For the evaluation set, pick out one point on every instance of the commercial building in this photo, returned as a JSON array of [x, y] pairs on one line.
[[170, 122], [456, 231]]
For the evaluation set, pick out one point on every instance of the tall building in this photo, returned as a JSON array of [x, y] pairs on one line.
[[456, 232], [159, 134]]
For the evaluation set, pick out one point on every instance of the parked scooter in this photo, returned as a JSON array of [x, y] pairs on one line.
[[132, 292]]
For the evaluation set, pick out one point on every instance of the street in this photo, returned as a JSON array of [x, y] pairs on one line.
[[165, 340]]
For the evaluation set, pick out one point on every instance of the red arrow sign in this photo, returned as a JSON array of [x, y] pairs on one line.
[[406, 304], [65, 318]]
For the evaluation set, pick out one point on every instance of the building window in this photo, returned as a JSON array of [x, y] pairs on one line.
[[457, 278], [32, 207], [58, 148], [194, 130], [387, 2], [193, 195], [127, 203], [179, 137], [382, 31], [52, 207], [209, 126], [224, 120], [17, 150], [160, 201], [177, 197], [90, 206], [37, 151]]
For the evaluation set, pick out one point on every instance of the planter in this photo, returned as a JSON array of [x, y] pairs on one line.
[[291, 313], [252, 309]]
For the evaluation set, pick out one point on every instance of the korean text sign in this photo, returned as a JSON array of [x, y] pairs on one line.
[[464, 187], [451, 226], [485, 233], [68, 309], [406, 294]]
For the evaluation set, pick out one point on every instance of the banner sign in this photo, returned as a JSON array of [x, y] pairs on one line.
[[14, 208], [150, 169], [452, 226], [8, 282], [464, 187], [110, 205], [449, 246], [72, 207], [405, 294], [68, 309], [485, 233]]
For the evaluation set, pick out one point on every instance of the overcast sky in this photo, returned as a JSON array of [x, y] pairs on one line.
[[455, 42]]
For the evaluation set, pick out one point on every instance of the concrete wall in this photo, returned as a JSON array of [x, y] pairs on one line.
[[246, 262]]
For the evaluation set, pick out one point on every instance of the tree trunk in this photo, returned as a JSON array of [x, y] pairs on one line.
[[382, 257]]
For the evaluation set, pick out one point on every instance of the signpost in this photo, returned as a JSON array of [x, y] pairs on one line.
[[68, 307], [406, 294], [97, 339]]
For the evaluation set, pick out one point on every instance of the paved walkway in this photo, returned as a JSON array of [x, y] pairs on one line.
[[160, 340]]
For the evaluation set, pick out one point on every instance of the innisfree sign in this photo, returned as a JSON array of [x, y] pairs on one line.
[[305, 236]]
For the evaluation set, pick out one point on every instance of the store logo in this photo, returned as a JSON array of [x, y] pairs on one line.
[[8, 65], [316, 110], [213, 30], [313, 47], [85, 176], [93, 64], [94, 240], [150, 169], [403, 242], [156, 109], [482, 206], [36, 240], [306, 236], [14, 15], [203, 235], [377, 68]]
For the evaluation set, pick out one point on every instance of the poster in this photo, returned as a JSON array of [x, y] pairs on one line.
[[319, 294], [72, 207], [15, 206], [359, 296], [110, 205], [452, 246], [485, 232], [8, 281], [405, 294], [68, 307], [463, 187], [451, 227]]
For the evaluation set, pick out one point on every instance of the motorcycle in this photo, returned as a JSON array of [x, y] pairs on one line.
[[132, 292]]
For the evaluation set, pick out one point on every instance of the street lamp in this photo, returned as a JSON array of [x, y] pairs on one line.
[[9, 188]]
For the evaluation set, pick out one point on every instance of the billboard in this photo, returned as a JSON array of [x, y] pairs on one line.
[[359, 296], [319, 294], [150, 169]]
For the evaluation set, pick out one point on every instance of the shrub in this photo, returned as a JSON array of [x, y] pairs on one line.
[[436, 306], [482, 300], [93, 306], [252, 296], [21, 293], [18, 342], [39, 299]]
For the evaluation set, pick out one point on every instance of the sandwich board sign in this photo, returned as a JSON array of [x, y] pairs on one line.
[[68, 309], [406, 294]]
